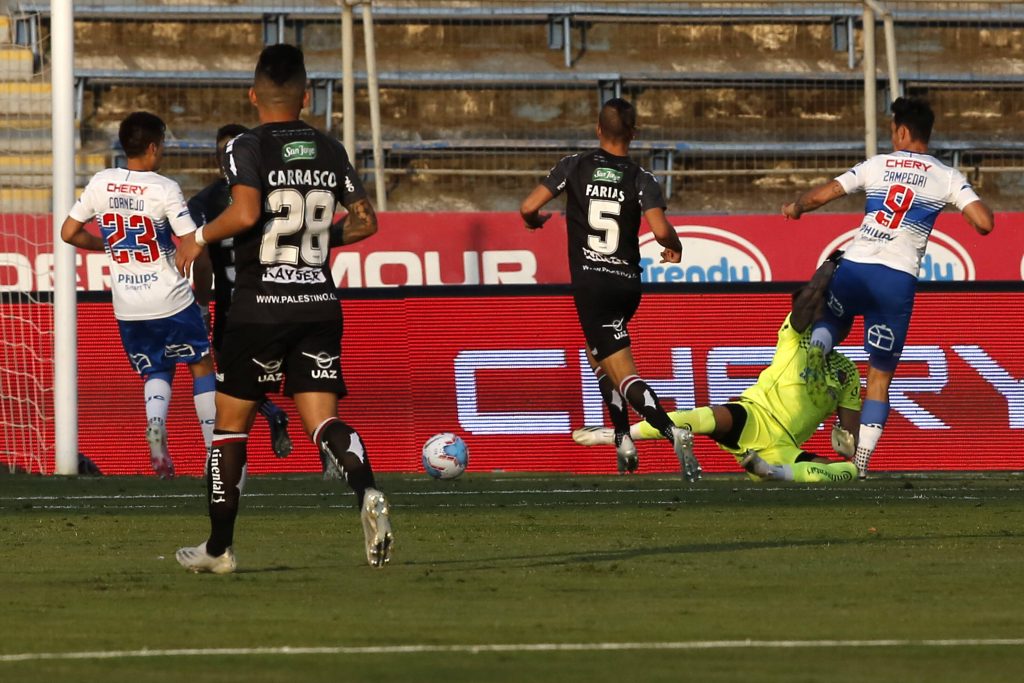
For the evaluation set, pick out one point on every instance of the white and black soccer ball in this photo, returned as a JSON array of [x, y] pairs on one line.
[[445, 456]]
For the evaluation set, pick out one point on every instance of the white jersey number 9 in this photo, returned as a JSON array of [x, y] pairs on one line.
[[600, 219], [314, 211]]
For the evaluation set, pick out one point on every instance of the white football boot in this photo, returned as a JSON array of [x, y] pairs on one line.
[[376, 516], [197, 560], [163, 467], [626, 455], [682, 443], [594, 436], [161, 461]]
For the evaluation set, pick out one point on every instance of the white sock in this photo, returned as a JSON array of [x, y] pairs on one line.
[[157, 391], [866, 442], [206, 411]]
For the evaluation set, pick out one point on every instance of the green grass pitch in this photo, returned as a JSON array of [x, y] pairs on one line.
[[561, 579]]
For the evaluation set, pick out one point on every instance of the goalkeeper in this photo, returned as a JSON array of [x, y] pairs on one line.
[[766, 426]]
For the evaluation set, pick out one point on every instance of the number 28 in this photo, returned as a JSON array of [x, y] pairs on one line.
[[314, 211]]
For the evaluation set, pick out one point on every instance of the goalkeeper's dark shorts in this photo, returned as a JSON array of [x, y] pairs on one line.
[[256, 358]]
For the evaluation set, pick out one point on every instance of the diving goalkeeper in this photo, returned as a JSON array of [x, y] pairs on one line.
[[766, 426]]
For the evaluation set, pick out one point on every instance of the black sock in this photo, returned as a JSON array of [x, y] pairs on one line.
[[645, 401], [339, 442], [227, 460], [616, 405]]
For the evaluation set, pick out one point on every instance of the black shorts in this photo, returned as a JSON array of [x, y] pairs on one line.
[[604, 315], [256, 357]]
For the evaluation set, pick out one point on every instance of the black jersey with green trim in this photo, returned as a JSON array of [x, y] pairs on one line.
[[606, 195], [281, 264]]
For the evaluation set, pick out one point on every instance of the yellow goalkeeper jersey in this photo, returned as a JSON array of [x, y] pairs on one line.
[[782, 392]]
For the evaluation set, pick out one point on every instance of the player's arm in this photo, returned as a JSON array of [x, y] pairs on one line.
[[241, 214], [815, 198], [202, 278], [808, 300], [202, 274], [531, 206], [360, 223], [74, 233], [665, 234], [548, 189], [979, 216]]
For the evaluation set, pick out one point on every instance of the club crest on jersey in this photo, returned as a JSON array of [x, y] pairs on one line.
[[298, 151], [606, 175]]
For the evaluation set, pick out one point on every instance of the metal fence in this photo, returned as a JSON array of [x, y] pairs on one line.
[[740, 103]]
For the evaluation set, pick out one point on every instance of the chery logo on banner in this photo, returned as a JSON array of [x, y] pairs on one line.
[[944, 258], [508, 374], [709, 255]]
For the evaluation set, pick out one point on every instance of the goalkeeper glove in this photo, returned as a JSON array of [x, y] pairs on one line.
[[842, 441]]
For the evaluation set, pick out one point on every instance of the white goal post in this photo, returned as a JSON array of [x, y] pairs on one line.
[[65, 318]]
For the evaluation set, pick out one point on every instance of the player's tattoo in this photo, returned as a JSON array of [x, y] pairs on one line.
[[360, 223]]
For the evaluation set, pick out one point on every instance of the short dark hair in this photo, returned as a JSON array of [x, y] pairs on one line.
[[916, 114], [617, 119], [231, 130], [138, 131], [280, 76]]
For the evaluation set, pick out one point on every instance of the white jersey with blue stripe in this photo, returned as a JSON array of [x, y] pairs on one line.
[[137, 212], [905, 191]]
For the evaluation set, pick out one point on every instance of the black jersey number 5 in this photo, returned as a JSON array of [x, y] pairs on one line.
[[599, 215], [314, 212]]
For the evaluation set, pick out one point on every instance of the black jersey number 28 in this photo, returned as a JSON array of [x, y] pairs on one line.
[[313, 211]]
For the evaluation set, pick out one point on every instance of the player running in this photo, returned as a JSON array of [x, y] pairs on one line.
[[877, 277], [160, 323], [766, 426], [205, 206], [607, 193], [286, 179]]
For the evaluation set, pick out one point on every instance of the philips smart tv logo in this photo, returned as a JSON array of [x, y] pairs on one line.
[[945, 259], [709, 255]]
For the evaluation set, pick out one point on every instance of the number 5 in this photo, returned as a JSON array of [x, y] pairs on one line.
[[600, 219]]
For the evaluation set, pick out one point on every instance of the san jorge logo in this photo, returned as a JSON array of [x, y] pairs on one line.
[[606, 175], [709, 255], [298, 151], [944, 260]]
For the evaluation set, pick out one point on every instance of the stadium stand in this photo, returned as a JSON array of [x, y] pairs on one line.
[[471, 120]]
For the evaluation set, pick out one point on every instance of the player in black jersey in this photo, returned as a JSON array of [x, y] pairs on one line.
[[607, 193], [205, 206], [285, 322]]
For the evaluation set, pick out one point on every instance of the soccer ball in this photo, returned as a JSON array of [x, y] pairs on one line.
[[445, 456]]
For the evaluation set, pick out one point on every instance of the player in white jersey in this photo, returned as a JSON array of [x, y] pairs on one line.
[[877, 277], [137, 211]]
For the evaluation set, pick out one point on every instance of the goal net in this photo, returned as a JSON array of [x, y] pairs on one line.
[[26, 246]]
